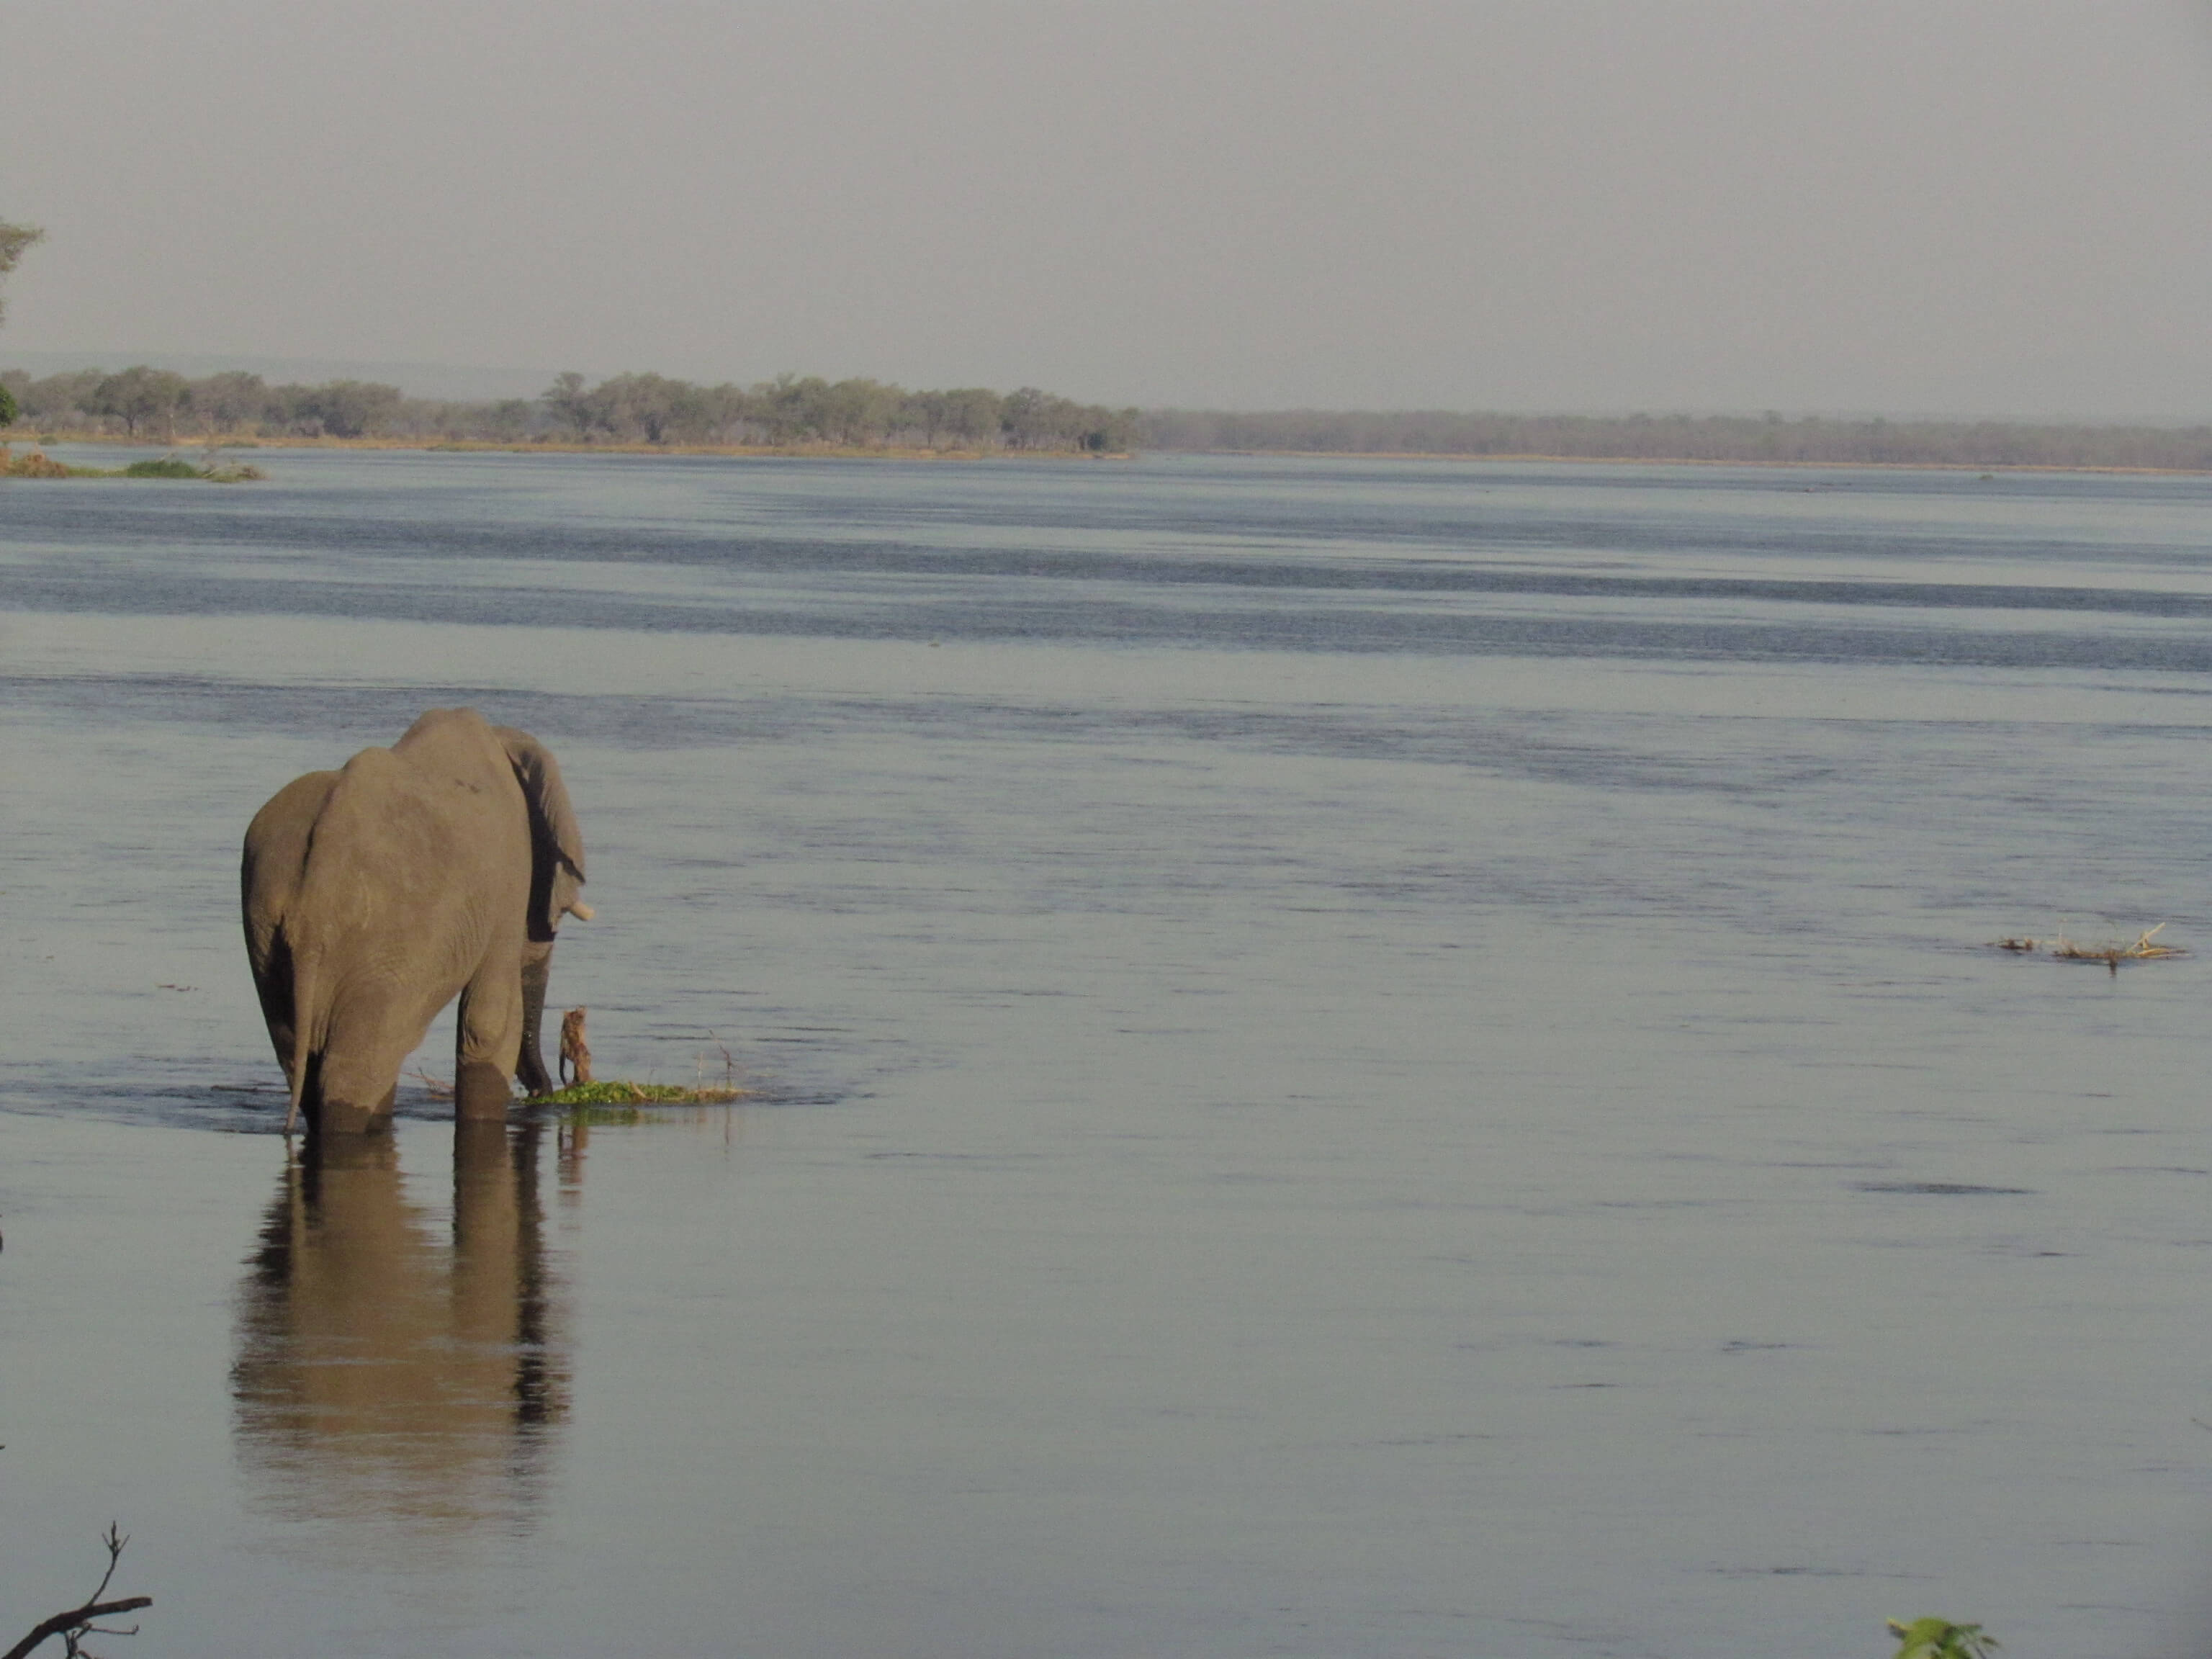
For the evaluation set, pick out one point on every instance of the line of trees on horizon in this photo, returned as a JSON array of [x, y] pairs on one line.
[[790, 410], [1771, 438], [795, 411]]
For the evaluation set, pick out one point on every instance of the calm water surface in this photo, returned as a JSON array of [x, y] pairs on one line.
[[1349, 1058]]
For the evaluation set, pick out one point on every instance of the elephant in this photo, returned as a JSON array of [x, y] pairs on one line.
[[374, 895]]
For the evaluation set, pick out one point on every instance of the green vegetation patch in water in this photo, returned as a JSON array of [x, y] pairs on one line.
[[176, 466], [615, 1092]]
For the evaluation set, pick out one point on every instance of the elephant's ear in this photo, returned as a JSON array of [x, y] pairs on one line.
[[557, 852]]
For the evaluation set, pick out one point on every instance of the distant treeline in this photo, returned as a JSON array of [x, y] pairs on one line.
[[650, 409], [791, 411], [1772, 438]]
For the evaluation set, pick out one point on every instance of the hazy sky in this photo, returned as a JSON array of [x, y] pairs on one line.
[[1962, 206]]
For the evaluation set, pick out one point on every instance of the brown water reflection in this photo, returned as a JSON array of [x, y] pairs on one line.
[[385, 1374]]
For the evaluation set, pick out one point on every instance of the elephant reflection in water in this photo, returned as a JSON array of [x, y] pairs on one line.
[[384, 1374]]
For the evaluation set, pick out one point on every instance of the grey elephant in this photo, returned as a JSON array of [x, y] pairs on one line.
[[374, 895]]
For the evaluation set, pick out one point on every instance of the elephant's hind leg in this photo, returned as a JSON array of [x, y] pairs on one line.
[[346, 1094], [489, 1038], [354, 1077]]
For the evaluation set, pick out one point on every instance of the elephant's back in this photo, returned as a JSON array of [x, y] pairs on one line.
[[398, 832], [454, 743]]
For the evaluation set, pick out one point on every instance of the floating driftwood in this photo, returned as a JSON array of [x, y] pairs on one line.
[[2143, 948]]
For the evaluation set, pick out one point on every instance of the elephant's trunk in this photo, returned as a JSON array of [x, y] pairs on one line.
[[530, 1063]]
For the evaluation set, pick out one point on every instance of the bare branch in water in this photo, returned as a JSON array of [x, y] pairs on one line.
[[77, 1623]]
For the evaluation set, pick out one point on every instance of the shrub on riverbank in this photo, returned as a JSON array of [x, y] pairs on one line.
[[211, 471], [37, 463]]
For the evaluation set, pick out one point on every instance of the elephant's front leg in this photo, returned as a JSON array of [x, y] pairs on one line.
[[530, 1061], [489, 1035]]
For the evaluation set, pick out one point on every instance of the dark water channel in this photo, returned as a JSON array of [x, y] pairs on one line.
[[1347, 1059]]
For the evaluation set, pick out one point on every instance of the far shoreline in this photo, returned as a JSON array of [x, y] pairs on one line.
[[831, 452], [556, 446], [1985, 469]]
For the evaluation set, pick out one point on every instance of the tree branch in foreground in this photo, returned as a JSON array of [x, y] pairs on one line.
[[77, 1623]]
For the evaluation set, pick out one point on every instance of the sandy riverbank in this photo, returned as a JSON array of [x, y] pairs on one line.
[[228, 440]]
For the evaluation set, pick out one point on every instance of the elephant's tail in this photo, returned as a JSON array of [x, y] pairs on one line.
[[306, 1030]]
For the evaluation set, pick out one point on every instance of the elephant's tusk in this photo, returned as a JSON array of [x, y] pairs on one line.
[[582, 912]]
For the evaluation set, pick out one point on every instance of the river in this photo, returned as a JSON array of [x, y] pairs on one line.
[[1378, 1058]]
